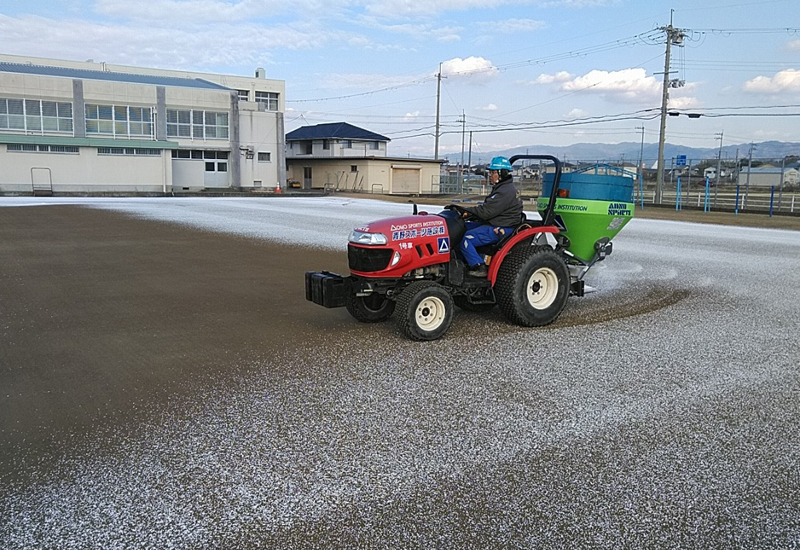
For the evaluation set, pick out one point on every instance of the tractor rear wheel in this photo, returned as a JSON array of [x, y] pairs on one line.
[[532, 286], [425, 310], [369, 309]]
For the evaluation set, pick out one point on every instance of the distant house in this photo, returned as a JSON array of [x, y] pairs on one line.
[[767, 177], [342, 157], [334, 140], [711, 173]]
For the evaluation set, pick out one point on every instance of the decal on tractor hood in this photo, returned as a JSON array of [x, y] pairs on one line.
[[405, 231]]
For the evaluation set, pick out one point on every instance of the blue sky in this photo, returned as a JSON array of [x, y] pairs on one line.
[[510, 67]]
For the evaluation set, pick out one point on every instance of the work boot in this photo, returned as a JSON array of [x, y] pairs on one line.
[[478, 271]]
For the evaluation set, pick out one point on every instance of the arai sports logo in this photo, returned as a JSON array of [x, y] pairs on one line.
[[618, 209]]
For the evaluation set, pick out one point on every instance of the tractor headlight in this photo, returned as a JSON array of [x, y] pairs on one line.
[[361, 237]]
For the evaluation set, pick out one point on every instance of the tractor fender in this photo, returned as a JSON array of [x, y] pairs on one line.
[[498, 258]]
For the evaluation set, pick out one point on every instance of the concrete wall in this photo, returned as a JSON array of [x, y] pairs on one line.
[[372, 175], [84, 171], [258, 132], [768, 179], [35, 86]]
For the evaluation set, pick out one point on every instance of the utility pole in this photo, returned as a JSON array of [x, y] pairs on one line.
[[438, 101], [469, 157], [749, 165], [463, 122], [674, 36], [719, 168], [641, 151]]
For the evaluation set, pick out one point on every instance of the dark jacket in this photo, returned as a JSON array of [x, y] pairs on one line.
[[502, 208]]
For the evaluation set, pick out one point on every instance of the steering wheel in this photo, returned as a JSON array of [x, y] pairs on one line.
[[461, 211]]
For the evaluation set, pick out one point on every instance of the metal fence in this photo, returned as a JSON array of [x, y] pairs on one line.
[[740, 190]]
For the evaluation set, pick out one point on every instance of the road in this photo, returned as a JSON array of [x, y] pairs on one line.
[[165, 384]]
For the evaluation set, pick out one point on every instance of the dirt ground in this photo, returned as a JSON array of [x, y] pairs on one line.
[[103, 317], [108, 321]]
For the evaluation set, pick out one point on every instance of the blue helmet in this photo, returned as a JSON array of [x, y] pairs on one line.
[[500, 163]]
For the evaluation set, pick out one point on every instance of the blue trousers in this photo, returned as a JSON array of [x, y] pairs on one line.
[[479, 234]]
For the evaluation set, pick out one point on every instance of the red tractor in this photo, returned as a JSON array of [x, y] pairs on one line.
[[407, 265]]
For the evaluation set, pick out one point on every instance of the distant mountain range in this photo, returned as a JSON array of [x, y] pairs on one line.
[[629, 152]]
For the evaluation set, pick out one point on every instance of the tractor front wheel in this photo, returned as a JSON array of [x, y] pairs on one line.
[[369, 309], [532, 286], [425, 310]]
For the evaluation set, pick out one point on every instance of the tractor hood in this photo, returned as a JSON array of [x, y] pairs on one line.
[[406, 228], [392, 247]]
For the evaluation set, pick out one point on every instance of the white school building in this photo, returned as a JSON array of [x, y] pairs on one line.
[[85, 127]]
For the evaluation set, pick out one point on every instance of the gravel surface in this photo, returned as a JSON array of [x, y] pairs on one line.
[[662, 411]]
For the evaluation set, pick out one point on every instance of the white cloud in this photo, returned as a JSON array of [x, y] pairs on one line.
[[579, 3], [412, 116], [408, 8], [362, 81], [794, 45], [515, 25], [562, 76], [683, 103], [628, 83], [784, 81], [577, 113], [489, 107], [177, 10], [471, 66], [183, 46]]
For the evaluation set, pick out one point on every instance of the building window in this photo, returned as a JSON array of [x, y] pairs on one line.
[[264, 157], [307, 148], [209, 167], [28, 148], [197, 124], [179, 123], [129, 151], [353, 168], [326, 144], [140, 121], [347, 144], [374, 145], [35, 116], [199, 154], [119, 120], [244, 95], [216, 125], [269, 99], [222, 167]]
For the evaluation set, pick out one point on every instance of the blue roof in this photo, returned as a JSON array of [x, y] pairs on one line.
[[86, 74], [334, 130]]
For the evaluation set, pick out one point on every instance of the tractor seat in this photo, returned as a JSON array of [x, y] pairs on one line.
[[491, 249]]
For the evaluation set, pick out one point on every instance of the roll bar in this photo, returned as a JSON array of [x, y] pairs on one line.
[[548, 214]]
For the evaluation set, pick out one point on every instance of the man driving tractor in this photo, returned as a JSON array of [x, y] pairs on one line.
[[499, 214]]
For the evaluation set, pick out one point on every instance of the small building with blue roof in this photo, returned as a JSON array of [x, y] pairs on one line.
[[342, 157]]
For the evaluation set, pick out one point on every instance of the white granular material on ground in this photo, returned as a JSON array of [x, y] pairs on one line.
[[677, 427]]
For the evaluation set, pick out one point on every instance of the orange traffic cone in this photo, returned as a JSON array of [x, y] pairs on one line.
[[278, 189]]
